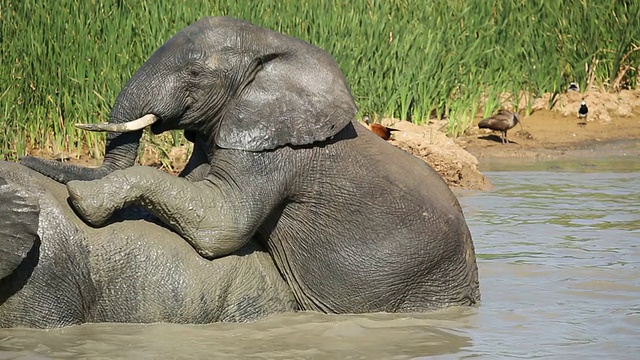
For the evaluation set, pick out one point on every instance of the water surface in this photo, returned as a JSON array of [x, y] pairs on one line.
[[558, 249]]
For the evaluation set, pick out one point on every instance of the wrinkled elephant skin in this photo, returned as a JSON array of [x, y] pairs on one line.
[[353, 224], [57, 271]]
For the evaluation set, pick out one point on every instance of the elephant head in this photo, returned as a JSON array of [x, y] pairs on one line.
[[237, 85]]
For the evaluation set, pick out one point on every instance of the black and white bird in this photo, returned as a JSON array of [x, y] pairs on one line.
[[502, 121], [573, 87], [583, 111]]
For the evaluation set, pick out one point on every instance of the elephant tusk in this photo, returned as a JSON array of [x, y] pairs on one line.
[[133, 125]]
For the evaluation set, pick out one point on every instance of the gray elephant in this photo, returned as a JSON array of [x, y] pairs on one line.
[[353, 224], [56, 271]]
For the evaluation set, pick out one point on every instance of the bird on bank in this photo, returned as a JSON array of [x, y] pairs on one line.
[[380, 130], [502, 121], [583, 111], [573, 87]]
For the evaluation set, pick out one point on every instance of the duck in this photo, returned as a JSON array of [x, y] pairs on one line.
[[380, 130], [502, 121], [573, 87]]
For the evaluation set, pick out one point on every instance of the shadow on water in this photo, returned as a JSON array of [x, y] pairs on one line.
[[558, 247]]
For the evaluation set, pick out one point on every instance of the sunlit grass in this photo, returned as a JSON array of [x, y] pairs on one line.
[[65, 61]]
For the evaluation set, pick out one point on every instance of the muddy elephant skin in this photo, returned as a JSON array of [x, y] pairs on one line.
[[57, 271]]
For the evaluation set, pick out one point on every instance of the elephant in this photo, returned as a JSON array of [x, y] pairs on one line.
[[57, 271], [353, 224]]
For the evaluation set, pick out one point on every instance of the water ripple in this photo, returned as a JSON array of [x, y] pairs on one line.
[[559, 255]]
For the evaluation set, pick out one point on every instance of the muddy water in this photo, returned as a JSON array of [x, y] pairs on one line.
[[559, 254]]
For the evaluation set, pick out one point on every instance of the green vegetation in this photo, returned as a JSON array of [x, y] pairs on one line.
[[65, 61]]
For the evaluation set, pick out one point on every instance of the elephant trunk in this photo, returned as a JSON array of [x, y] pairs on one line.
[[120, 153]]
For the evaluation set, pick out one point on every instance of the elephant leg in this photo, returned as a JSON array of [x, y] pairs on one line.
[[216, 218]]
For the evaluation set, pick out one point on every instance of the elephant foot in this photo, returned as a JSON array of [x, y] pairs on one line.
[[92, 202]]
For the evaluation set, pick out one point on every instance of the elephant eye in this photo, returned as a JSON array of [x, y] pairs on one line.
[[194, 69]]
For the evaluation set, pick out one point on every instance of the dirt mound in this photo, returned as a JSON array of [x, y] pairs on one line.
[[544, 134], [458, 167], [603, 107]]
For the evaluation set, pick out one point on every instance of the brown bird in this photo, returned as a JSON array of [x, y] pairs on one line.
[[502, 121], [380, 130]]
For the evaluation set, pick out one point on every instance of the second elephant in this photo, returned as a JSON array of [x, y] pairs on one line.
[[57, 271]]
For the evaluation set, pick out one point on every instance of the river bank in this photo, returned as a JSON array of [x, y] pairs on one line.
[[611, 129]]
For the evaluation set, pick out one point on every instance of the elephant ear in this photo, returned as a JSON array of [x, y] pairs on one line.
[[19, 221], [297, 97]]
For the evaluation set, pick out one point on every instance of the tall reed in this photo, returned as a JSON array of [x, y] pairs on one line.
[[65, 61]]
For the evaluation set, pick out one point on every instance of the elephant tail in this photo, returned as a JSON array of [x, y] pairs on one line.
[[19, 213]]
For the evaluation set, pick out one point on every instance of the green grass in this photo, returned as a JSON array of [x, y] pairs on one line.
[[65, 61]]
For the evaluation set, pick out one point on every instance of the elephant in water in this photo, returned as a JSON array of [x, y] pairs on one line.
[[58, 271], [352, 223]]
